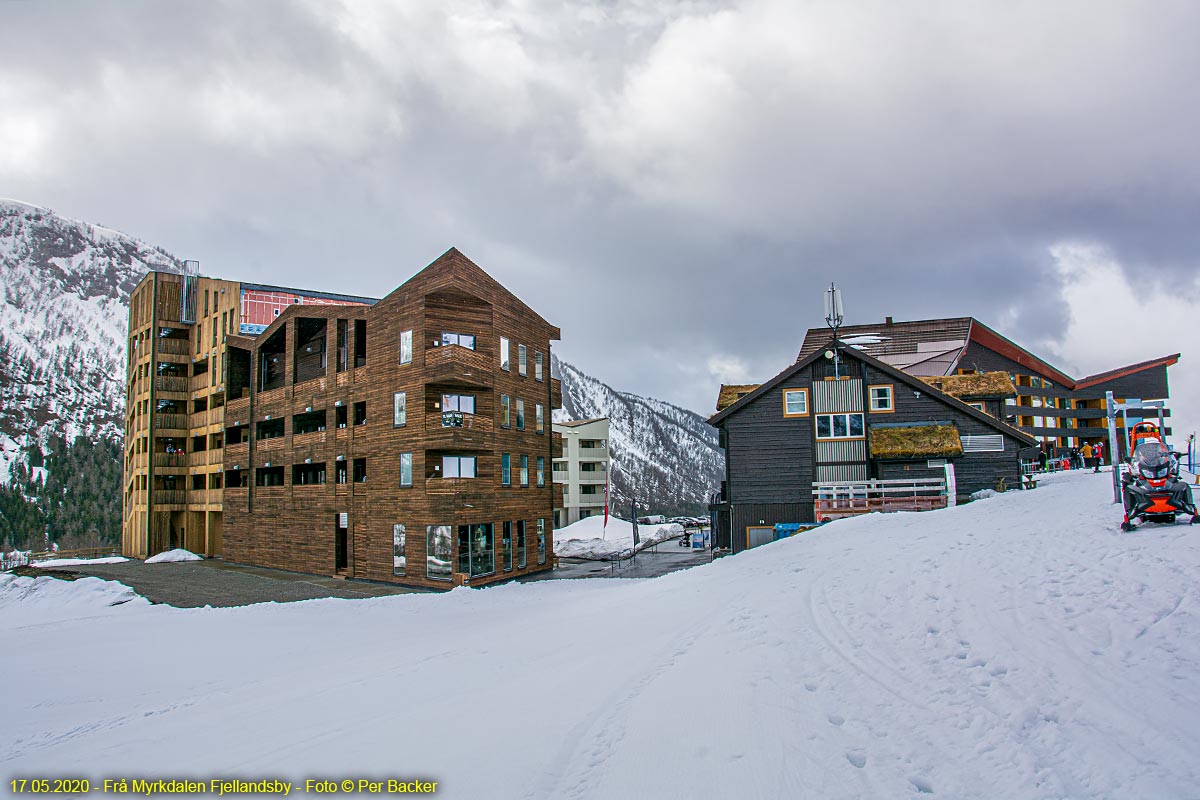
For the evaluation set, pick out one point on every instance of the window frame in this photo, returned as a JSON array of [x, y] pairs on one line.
[[803, 393], [455, 338], [399, 541], [541, 471], [409, 458], [520, 413], [541, 541], [522, 360], [540, 418], [505, 411], [406, 340], [891, 394], [523, 471], [505, 355], [538, 370], [832, 437], [506, 469], [399, 409]]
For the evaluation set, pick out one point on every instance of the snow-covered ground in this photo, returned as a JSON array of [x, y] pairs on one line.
[[589, 538], [174, 556], [79, 562], [1017, 647]]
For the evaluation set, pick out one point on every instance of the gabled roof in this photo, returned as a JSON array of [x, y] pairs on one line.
[[1122, 372], [985, 336], [901, 377], [935, 344], [453, 270]]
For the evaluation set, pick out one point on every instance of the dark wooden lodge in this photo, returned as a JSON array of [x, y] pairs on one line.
[[856, 421], [408, 441]]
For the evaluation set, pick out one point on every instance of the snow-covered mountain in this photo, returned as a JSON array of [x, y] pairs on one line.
[[65, 292], [664, 456]]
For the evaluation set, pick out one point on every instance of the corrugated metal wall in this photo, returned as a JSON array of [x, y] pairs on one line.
[[837, 397], [842, 472], [843, 450]]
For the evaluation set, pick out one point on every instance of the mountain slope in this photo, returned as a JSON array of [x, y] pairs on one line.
[[63, 305], [664, 456]]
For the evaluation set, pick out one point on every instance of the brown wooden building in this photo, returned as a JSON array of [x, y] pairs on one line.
[[407, 441]]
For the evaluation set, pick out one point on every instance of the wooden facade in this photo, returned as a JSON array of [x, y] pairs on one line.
[[776, 446], [393, 442]]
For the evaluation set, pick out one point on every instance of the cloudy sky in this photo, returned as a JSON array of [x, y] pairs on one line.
[[671, 183]]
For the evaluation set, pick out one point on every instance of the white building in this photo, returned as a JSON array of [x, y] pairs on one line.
[[583, 469]]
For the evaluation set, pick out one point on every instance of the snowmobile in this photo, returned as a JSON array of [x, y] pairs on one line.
[[1152, 491], [1142, 432]]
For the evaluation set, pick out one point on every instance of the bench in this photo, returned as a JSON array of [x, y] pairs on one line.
[[1028, 482]]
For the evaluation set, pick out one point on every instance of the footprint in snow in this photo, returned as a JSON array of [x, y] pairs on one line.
[[837, 720], [921, 784], [857, 758], [812, 687]]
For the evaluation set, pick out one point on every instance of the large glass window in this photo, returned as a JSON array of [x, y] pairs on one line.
[[520, 544], [839, 426], [458, 466], [522, 363], [506, 546], [541, 470], [399, 564], [459, 402], [505, 411], [540, 413], [524, 470], [438, 552], [466, 340], [406, 469], [537, 366], [399, 409], [406, 347], [541, 542], [520, 414], [504, 364], [505, 469], [476, 550]]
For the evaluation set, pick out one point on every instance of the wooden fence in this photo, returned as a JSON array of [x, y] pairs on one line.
[[19, 558], [837, 499]]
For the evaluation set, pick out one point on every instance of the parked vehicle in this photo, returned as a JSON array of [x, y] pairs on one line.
[[652, 519]]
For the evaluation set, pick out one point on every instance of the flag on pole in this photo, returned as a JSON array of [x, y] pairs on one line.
[[605, 528]]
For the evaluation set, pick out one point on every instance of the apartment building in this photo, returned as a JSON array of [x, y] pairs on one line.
[[418, 451], [583, 469], [175, 401]]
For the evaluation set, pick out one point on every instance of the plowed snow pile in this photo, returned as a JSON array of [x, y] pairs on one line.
[[1017, 647]]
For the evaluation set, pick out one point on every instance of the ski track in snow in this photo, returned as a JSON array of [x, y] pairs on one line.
[[1017, 647]]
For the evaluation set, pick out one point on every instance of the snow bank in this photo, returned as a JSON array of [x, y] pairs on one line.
[[173, 556], [1018, 648], [27, 601], [75, 562], [588, 538]]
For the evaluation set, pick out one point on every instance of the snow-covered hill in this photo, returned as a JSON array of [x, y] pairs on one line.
[[665, 456], [1016, 647], [63, 311]]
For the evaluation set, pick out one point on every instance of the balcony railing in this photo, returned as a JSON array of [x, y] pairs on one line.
[[171, 383], [170, 459], [593, 452], [169, 497], [460, 420], [453, 363], [200, 382], [171, 421], [178, 347]]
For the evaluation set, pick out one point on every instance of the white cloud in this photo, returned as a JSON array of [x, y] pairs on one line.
[[1114, 322]]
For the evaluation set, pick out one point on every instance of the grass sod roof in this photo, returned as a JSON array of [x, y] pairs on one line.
[[732, 392], [982, 384], [920, 441]]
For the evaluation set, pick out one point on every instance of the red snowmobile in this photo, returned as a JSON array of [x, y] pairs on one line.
[[1152, 490]]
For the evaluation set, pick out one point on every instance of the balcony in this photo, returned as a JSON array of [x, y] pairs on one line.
[[455, 495], [201, 382], [174, 347], [556, 445], [171, 383], [169, 497], [457, 430], [170, 461], [453, 365], [198, 459], [593, 452], [555, 393], [171, 422]]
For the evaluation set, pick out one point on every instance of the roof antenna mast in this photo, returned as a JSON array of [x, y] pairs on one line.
[[833, 318]]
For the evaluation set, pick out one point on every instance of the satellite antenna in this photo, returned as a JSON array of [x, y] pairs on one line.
[[833, 318]]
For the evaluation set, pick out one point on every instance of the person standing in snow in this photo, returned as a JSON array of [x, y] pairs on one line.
[[1099, 451], [1043, 459], [1086, 452]]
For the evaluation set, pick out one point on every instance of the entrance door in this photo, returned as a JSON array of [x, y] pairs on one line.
[[341, 523]]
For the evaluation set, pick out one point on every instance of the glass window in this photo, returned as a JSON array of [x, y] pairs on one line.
[[541, 542], [505, 412], [522, 365], [399, 409], [506, 546], [360, 470], [520, 414], [459, 402], [398, 560], [505, 469], [406, 347], [520, 544], [795, 402], [856, 424], [406, 469], [537, 366], [840, 429], [540, 414], [438, 544], [476, 550], [504, 352], [458, 466], [466, 340], [524, 470], [839, 426], [541, 470], [881, 398]]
